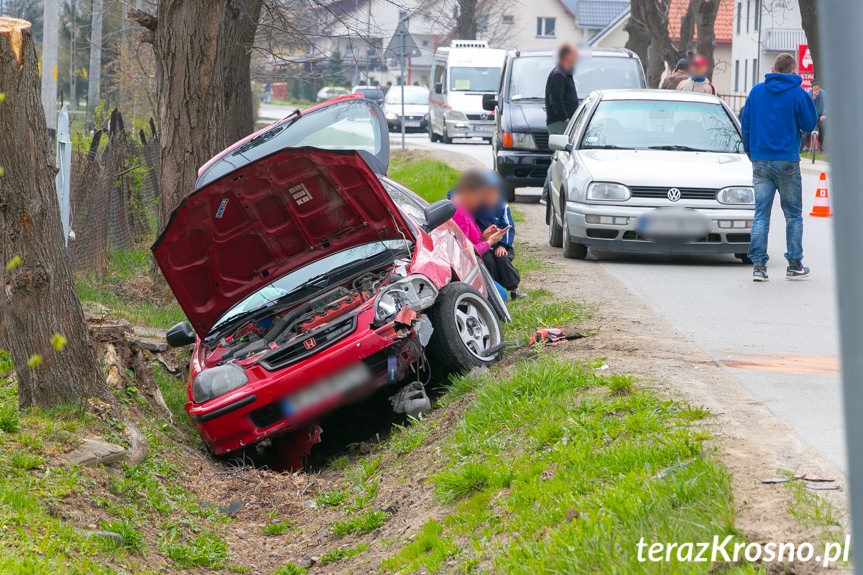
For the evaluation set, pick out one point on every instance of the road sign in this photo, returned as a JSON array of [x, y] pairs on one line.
[[402, 44]]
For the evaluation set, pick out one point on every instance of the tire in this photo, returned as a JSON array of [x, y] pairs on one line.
[[510, 192], [487, 140], [494, 298], [463, 321], [555, 233], [744, 259], [445, 138], [432, 136], [572, 250]]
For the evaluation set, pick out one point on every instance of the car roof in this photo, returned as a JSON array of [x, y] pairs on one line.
[[659, 95], [594, 53]]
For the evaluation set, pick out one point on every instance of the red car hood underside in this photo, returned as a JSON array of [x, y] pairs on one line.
[[234, 236]]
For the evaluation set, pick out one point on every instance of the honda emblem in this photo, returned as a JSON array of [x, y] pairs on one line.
[[310, 343]]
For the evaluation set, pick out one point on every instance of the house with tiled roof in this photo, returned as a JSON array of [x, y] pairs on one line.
[[614, 35]]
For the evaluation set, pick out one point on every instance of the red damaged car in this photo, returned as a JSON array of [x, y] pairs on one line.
[[310, 279]]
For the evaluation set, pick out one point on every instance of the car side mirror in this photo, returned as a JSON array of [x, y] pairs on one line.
[[438, 88], [559, 142], [180, 335], [438, 214], [489, 102]]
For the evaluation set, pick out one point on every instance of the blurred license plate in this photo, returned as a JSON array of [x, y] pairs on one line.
[[673, 224], [412, 124], [336, 385]]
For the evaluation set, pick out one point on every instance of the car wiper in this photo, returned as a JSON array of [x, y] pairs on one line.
[[678, 148], [605, 147], [520, 98]]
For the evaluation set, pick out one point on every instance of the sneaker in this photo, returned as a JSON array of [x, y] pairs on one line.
[[796, 272], [759, 274], [517, 294]]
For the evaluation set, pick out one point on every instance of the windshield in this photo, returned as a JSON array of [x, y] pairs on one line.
[[474, 79], [369, 92], [645, 124], [301, 277], [414, 96], [529, 74]]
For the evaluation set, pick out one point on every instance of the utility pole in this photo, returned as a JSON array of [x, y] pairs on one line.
[[50, 41], [841, 42], [73, 35], [94, 73], [402, 46]]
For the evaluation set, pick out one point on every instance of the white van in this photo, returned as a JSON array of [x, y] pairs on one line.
[[461, 74]]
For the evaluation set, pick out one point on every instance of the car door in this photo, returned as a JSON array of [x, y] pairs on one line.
[[563, 162]]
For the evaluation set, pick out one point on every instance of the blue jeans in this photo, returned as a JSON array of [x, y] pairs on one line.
[[768, 177]]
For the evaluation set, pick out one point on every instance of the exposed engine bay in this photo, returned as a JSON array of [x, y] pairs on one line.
[[270, 333]]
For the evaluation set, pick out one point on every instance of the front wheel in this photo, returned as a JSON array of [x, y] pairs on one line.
[[555, 233], [446, 139], [571, 249], [466, 329]]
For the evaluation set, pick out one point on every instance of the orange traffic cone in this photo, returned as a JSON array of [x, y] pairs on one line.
[[821, 207]]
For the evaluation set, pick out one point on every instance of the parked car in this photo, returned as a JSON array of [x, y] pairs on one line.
[[416, 108], [373, 93], [461, 74], [330, 92], [520, 144], [309, 279], [651, 171]]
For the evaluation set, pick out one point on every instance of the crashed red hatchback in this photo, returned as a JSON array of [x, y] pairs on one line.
[[310, 279]]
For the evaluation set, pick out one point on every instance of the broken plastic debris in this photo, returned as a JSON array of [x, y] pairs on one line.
[[776, 480], [412, 400], [815, 478], [821, 487], [669, 470]]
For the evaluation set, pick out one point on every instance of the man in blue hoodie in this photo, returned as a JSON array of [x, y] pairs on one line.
[[776, 111]]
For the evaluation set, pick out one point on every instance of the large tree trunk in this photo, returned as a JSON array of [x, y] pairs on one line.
[[466, 22], [203, 56], [705, 19], [639, 34], [662, 51], [809, 19], [39, 308]]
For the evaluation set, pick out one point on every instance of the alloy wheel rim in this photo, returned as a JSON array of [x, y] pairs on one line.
[[475, 323]]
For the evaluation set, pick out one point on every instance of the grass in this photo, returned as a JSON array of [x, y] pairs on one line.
[[406, 438], [290, 569], [339, 554], [550, 470], [430, 179], [127, 290], [810, 508], [538, 310], [278, 527], [360, 524], [333, 498], [204, 550]]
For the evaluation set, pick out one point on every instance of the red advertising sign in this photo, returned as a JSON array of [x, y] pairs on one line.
[[805, 66]]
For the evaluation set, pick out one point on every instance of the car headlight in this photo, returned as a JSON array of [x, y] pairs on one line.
[[415, 291], [607, 191], [217, 381], [391, 116], [518, 140], [736, 195], [455, 116]]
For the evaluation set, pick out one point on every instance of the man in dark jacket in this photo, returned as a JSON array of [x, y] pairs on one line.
[[776, 111], [678, 75], [820, 98], [561, 99]]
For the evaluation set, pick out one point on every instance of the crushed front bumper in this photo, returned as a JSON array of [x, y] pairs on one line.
[[732, 236]]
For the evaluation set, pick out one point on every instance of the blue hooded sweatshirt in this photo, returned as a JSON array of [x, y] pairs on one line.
[[776, 111]]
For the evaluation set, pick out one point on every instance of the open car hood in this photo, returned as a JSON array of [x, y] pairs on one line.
[[273, 215]]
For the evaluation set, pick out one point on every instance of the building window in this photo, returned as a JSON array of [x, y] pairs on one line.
[[739, 15], [745, 75], [754, 71], [481, 23], [508, 19], [737, 75], [748, 11], [757, 22], [545, 27]]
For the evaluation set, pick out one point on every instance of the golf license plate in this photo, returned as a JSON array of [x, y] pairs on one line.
[[673, 224]]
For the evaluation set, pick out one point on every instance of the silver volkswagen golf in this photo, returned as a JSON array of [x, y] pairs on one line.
[[650, 171]]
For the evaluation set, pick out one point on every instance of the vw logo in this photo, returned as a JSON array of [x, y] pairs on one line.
[[673, 194]]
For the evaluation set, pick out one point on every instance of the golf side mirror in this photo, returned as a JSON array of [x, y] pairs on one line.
[[180, 335], [439, 213], [438, 88], [559, 142], [489, 102]]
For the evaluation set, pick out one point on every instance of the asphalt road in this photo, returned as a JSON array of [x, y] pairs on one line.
[[778, 339]]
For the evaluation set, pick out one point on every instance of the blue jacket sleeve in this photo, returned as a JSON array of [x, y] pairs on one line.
[[807, 117], [744, 125], [509, 237]]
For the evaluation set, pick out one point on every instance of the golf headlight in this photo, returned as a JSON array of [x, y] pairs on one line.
[[217, 381], [455, 116], [736, 195], [524, 141], [391, 116], [605, 191], [415, 291]]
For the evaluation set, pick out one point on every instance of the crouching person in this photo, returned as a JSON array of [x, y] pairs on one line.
[[494, 215]]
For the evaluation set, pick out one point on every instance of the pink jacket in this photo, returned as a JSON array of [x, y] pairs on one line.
[[465, 221]]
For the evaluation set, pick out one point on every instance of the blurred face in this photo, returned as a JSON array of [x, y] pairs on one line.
[[815, 89], [698, 70], [491, 196], [570, 59], [469, 199]]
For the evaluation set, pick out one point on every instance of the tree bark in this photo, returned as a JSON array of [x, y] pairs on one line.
[[37, 293], [466, 22], [809, 19], [662, 51], [705, 20], [203, 58], [639, 34]]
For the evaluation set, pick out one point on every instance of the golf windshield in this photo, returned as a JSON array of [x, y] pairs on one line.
[[474, 79], [662, 124]]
